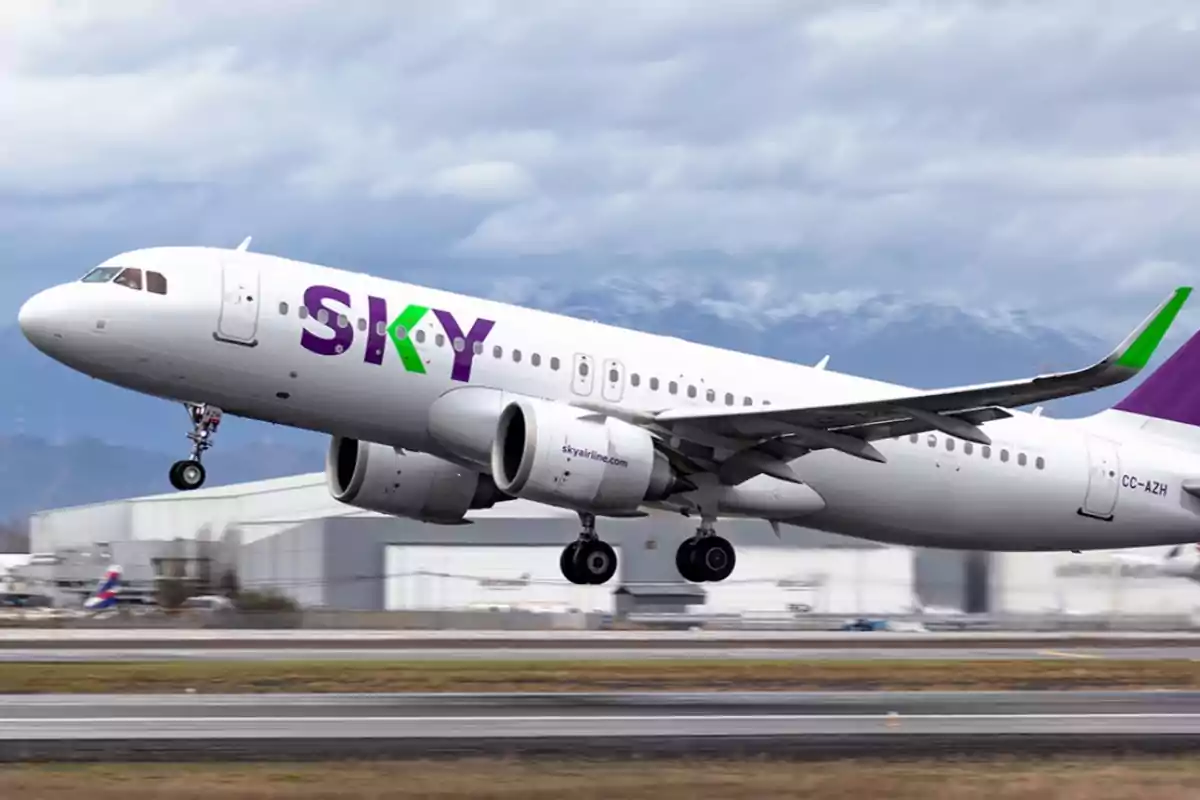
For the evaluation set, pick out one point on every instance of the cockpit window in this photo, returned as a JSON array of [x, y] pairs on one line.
[[156, 283], [101, 275], [131, 277]]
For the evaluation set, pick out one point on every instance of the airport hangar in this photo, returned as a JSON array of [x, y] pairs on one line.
[[290, 535]]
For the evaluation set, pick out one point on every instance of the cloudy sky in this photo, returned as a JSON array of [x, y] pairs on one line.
[[1042, 155]]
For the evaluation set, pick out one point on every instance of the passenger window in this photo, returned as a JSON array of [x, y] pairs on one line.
[[156, 283], [1004, 455], [915, 438], [1040, 463], [613, 376], [728, 398], [303, 312], [342, 321], [497, 352], [654, 384], [536, 360], [932, 440], [691, 391], [516, 356], [478, 348], [711, 395], [323, 316], [362, 324], [673, 387], [381, 330], [131, 278], [968, 448], [583, 369], [460, 344], [554, 363], [439, 340], [987, 451], [101, 275], [420, 336], [635, 379], [283, 309], [746, 401], [1021, 460], [950, 445]]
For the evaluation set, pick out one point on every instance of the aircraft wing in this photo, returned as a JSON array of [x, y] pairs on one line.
[[780, 433]]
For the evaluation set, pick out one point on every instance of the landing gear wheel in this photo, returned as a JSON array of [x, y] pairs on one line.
[[716, 558], [685, 561], [187, 475], [596, 562], [588, 563], [709, 558], [566, 562]]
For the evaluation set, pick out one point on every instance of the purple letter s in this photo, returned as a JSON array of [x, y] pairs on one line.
[[314, 300]]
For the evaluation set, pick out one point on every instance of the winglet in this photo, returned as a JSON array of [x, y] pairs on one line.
[[245, 245], [1134, 353]]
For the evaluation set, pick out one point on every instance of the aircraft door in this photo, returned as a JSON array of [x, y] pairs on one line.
[[614, 380], [582, 377], [238, 322], [1104, 468]]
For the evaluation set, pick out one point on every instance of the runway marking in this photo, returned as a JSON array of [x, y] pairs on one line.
[[597, 718], [1067, 654]]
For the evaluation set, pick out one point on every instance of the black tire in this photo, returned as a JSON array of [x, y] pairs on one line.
[[187, 475], [596, 562], [567, 563], [686, 562], [715, 558]]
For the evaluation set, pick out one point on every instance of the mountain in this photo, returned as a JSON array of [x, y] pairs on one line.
[[67, 439]]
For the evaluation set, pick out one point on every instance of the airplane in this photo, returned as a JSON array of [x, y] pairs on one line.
[[438, 404], [105, 596], [1176, 563]]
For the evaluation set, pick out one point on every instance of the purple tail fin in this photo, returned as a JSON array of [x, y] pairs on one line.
[[1171, 392]]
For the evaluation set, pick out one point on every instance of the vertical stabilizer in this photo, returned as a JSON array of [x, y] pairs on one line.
[[1171, 392]]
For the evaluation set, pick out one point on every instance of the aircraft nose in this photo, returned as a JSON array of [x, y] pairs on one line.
[[42, 315]]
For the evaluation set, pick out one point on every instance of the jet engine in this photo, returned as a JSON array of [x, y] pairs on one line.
[[419, 486], [574, 458]]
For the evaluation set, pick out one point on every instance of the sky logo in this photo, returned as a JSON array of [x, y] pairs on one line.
[[381, 329]]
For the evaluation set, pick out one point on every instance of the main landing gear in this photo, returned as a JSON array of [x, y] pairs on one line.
[[705, 557], [189, 474], [588, 560]]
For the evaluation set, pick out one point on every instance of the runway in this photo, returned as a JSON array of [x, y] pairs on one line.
[[500, 653], [113, 727]]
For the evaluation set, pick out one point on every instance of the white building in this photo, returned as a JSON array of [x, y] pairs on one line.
[[290, 535], [1092, 583]]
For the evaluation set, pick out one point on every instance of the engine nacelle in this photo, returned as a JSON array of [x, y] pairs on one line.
[[570, 457], [419, 486]]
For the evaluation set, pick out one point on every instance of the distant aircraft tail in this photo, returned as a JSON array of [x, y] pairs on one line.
[[105, 596]]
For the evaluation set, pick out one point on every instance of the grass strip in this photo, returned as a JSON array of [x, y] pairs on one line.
[[995, 779], [574, 676]]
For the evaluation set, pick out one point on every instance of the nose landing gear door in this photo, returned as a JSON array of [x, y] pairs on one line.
[[238, 320]]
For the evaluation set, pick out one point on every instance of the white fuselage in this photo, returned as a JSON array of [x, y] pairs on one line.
[[229, 332]]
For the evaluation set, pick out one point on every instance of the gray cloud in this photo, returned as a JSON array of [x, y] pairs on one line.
[[1029, 153]]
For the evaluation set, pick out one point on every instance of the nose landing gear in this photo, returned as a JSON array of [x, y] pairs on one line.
[[189, 473]]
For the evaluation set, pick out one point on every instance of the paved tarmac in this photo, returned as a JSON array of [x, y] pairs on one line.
[[109, 727], [499, 653]]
